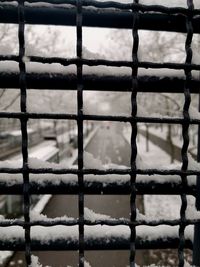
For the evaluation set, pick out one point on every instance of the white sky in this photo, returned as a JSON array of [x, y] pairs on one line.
[[94, 39]]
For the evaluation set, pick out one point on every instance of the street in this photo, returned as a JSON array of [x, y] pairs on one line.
[[109, 146]]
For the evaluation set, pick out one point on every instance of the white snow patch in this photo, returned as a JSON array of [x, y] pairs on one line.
[[36, 163], [35, 262], [168, 208], [70, 233], [36, 216], [49, 5], [9, 164], [86, 264], [191, 212], [194, 113], [4, 255], [140, 216], [193, 164], [91, 162], [150, 159], [92, 216]]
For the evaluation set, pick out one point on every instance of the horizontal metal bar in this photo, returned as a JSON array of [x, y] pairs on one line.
[[102, 18], [108, 222], [94, 82], [102, 172], [115, 4], [116, 243], [103, 62], [128, 119], [99, 188], [118, 5]]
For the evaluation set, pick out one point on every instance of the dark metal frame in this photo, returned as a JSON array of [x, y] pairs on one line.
[[129, 16]]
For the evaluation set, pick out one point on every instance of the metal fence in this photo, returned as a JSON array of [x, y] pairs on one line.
[[134, 16]]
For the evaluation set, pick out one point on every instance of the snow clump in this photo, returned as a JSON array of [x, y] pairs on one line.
[[35, 262]]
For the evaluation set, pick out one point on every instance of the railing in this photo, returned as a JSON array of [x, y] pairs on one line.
[[79, 234]]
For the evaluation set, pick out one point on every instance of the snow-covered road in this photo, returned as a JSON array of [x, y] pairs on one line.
[[109, 146]]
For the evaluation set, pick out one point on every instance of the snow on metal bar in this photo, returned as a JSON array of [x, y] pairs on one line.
[[120, 4], [96, 237], [169, 20], [94, 184], [103, 62], [60, 116]]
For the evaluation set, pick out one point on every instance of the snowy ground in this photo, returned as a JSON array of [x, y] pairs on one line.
[[177, 139], [169, 205]]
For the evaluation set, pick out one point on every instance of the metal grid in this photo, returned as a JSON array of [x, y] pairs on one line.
[[134, 16]]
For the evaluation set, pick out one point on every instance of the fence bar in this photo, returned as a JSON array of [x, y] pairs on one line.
[[185, 132], [134, 92], [24, 133], [196, 248], [91, 18], [95, 82], [79, 21], [94, 244], [98, 188]]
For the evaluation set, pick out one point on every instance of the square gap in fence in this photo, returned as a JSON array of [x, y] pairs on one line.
[[107, 103], [105, 258], [193, 137], [158, 146], [12, 205], [106, 207], [52, 101], [169, 205], [46, 258], [164, 257], [9, 39], [195, 46], [180, 3], [9, 98], [60, 206], [162, 47], [168, 208], [161, 257], [10, 143], [160, 105], [106, 43], [50, 41], [107, 147], [52, 143]]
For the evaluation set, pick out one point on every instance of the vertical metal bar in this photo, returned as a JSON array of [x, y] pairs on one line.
[[80, 131], [23, 104], [196, 242], [134, 134], [185, 132]]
